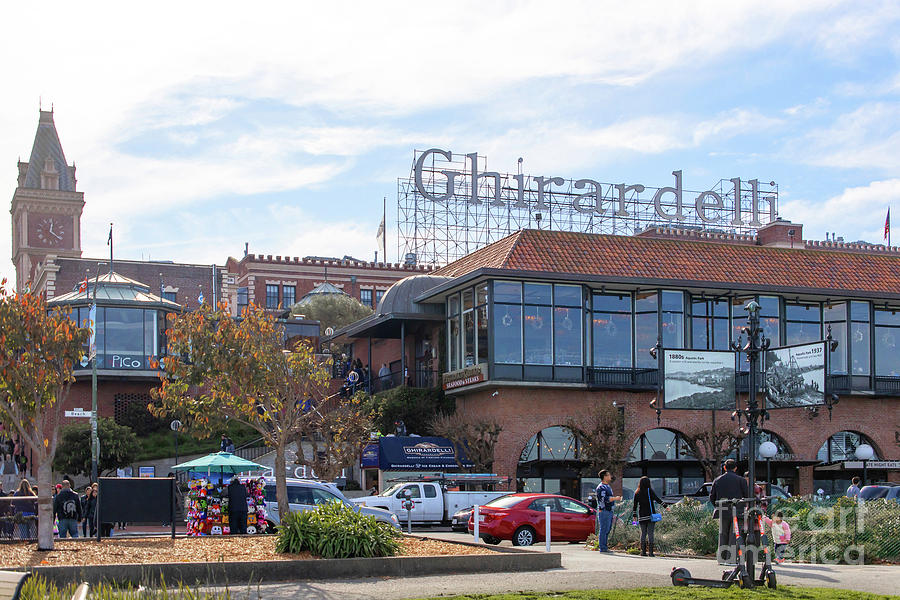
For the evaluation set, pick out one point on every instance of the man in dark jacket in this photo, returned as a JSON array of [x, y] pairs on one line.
[[67, 508], [728, 485], [237, 506]]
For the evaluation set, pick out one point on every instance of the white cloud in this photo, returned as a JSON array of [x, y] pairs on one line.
[[857, 213], [866, 138]]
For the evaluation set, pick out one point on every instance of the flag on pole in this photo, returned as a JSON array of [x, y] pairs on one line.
[[82, 286], [109, 239], [887, 225], [200, 297], [379, 237]]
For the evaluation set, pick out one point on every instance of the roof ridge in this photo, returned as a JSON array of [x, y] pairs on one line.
[[512, 247]]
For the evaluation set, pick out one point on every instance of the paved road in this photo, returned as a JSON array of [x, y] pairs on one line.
[[582, 569]]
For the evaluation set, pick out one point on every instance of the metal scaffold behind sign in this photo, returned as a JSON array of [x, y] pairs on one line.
[[451, 205]]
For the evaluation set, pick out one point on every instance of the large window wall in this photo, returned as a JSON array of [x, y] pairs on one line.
[[126, 337], [543, 331]]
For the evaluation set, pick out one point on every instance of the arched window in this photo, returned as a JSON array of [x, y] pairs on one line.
[[552, 443], [660, 444], [842, 446], [765, 436]]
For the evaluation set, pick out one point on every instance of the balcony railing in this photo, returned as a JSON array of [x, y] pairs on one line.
[[622, 378]]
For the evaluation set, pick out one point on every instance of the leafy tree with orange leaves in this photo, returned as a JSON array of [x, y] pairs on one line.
[[38, 352], [220, 367]]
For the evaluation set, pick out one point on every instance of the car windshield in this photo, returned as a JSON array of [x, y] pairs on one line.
[[873, 492], [391, 489], [504, 501]]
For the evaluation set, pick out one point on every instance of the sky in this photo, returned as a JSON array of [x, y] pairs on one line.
[[196, 127]]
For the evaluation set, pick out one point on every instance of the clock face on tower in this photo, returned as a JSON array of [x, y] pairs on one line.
[[50, 231]]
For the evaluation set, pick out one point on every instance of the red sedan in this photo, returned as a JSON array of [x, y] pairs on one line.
[[521, 518]]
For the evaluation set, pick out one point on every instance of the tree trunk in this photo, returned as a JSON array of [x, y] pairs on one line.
[[281, 495], [45, 506]]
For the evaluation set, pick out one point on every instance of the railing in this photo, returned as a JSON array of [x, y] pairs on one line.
[[18, 518], [622, 378], [887, 385], [252, 450], [839, 384]]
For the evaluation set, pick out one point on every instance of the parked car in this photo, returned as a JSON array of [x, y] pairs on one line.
[[307, 494], [702, 494], [431, 502], [521, 518], [880, 491], [460, 520]]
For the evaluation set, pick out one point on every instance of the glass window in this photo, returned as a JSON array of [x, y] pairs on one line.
[[570, 506], [453, 305], [271, 296], [646, 328], [538, 335], [243, 296], [323, 497], [860, 338], [802, 323], [482, 333], [567, 334], [430, 492], [611, 330], [298, 495], [557, 443], [365, 296], [541, 505], [567, 295], [709, 324], [537, 293], [835, 316], [508, 333], [151, 346], [673, 319], [842, 446], [468, 300], [887, 330], [469, 337], [481, 294], [173, 296], [379, 294], [508, 291], [124, 338], [660, 444], [769, 318], [453, 340], [289, 294], [413, 490]]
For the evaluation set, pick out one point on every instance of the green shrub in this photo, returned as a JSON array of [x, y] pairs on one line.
[[335, 531]]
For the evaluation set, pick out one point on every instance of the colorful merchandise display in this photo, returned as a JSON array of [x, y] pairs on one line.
[[207, 507]]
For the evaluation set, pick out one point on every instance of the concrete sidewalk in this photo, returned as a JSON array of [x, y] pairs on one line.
[[582, 569]]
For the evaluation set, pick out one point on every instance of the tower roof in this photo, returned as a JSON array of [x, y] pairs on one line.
[[115, 290], [322, 289], [46, 145]]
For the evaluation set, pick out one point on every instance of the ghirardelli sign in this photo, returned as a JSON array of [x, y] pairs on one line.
[[429, 449], [743, 205]]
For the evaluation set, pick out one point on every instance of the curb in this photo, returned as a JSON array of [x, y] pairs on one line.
[[242, 573]]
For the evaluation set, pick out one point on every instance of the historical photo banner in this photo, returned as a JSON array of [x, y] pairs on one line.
[[698, 379], [795, 375]]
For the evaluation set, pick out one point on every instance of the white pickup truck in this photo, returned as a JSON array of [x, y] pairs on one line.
[[431, 503]]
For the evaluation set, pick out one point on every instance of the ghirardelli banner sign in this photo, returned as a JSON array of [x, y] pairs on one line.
[[428, 449], [441, 178]]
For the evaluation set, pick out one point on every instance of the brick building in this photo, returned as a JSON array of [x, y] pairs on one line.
[[537, 327]]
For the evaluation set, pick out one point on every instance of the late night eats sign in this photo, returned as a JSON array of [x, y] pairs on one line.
[[670, 203]]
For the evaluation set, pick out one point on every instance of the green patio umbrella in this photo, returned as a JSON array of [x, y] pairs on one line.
[[219, 462]]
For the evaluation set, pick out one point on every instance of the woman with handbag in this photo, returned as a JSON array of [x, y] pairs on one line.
[[644, 514]]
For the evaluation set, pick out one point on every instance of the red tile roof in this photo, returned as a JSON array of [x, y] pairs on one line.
[[709, 263]]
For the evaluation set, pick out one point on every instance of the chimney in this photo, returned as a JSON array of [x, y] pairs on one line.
[[781, 234]]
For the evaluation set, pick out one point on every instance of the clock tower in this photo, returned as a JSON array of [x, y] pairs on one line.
[[46, 208]]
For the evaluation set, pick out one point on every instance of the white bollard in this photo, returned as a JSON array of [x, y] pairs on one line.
[[547, 526], [475, 520]]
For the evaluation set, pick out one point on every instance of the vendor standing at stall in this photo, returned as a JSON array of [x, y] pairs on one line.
[[237, 506]]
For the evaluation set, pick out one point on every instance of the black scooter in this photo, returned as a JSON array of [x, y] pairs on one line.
[[743, 572]]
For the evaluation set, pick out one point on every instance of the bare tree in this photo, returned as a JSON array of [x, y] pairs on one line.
[[603, 436], [473, 438], [333, 432], [712, 445]]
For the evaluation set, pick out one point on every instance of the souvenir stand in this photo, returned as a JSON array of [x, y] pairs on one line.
[[207, 497]]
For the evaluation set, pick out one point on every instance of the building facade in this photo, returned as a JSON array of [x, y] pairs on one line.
[[540, 326]]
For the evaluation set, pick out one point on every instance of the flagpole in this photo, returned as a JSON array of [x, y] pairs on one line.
[[384, 235]]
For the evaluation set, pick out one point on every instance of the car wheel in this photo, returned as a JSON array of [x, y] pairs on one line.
[[523, 536], [493, 541]]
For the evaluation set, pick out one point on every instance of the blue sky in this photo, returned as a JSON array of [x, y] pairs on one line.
[[196, 129]]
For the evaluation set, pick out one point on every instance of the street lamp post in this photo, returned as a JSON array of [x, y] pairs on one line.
[[753, 414], [768, 450], [175, 426], [864, 452]]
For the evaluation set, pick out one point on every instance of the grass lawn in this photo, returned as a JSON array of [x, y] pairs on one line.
[[689, 593], [161, 444]]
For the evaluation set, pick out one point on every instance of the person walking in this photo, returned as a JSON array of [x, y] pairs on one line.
[[23, 530], [728, 485], [605, 504], [237, 506], [643, 513], [384, 375], [88, 512], [67, 508], [853, 490]]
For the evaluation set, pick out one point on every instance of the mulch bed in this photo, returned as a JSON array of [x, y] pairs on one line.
[[188, 550]]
